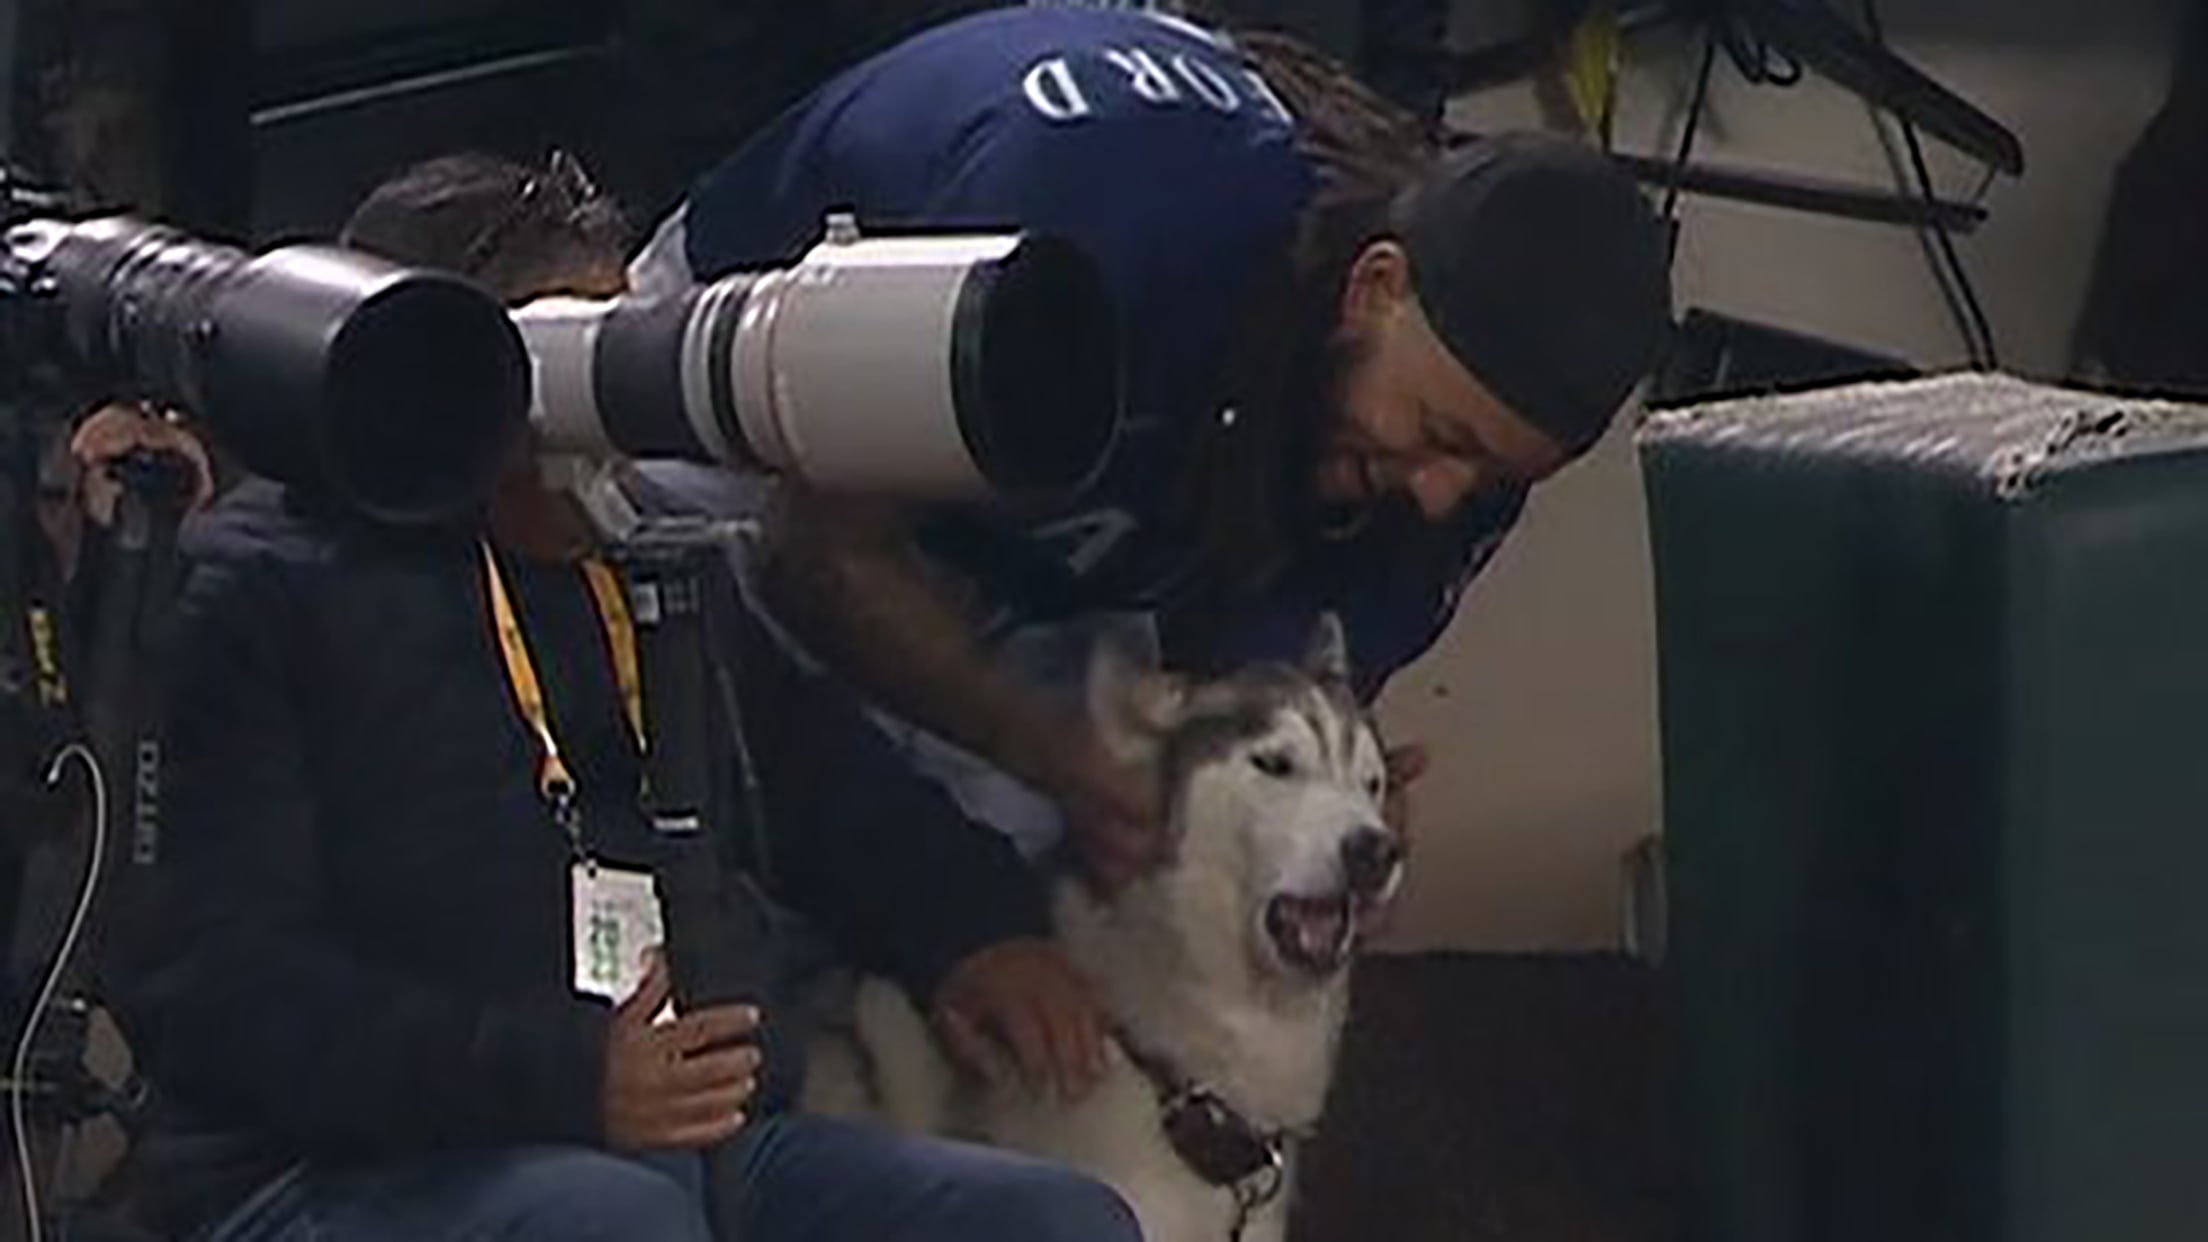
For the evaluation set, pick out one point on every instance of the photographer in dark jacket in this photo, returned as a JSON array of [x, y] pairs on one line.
[[361, 1010]]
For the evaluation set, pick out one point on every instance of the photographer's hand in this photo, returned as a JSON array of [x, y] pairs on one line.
[[679, 1083], [1023, 998], [116, 430]]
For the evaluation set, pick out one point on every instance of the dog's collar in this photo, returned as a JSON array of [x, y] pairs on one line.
[[1217, 1141]]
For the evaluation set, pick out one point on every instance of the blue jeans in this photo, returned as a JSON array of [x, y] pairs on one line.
[[803, 1179]]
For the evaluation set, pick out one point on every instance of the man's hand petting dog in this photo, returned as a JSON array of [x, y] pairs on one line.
[[1114, 815], [1405, 765], [676, 1084], [1020, 1007]]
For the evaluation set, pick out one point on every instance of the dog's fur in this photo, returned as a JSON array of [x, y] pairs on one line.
[[1268, 773]]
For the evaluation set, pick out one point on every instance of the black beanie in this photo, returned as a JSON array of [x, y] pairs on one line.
[[1544, 271]]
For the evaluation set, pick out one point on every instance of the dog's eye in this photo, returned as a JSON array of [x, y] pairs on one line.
[[1372, 787], [1274, 763]]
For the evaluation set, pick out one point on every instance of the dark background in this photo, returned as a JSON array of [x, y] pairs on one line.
[[1480, 1097]]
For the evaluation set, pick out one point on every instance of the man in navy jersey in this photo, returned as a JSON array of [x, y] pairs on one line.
[[1349, 357]]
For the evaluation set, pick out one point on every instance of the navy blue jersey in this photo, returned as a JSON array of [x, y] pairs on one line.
[[1157, 149]]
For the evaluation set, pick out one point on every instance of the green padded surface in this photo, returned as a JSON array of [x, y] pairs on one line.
[[1934, 668]]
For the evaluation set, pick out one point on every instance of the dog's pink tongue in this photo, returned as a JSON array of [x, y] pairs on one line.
[[1320, 925]]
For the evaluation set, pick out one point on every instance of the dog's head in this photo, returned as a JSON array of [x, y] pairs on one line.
[[1275, 782]]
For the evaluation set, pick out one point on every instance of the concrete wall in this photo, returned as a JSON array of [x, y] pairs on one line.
[[1541, 702]]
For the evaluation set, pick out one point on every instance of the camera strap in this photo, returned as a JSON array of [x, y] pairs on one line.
[[554, 780]]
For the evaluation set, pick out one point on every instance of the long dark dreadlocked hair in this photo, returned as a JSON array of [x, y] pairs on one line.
[[1249, 493]]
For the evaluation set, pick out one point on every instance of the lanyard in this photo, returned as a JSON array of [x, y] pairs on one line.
[[554, 780]]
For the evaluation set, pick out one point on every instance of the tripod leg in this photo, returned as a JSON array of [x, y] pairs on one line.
[[717, 935]]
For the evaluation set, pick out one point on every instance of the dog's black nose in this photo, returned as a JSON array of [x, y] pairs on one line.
[[1369, 859]]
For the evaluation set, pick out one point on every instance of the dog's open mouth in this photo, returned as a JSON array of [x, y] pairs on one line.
[[1313, 934]]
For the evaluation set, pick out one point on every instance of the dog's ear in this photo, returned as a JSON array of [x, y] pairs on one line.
[[1326, 659], [1133, 702]]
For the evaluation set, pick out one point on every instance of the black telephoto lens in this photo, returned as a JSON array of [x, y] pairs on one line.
[[392, 391]]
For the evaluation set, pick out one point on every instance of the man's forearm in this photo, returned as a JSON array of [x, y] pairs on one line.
[[838, 790], [851, 584]]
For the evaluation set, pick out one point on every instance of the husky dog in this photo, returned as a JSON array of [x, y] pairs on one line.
[[1224, 973]]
